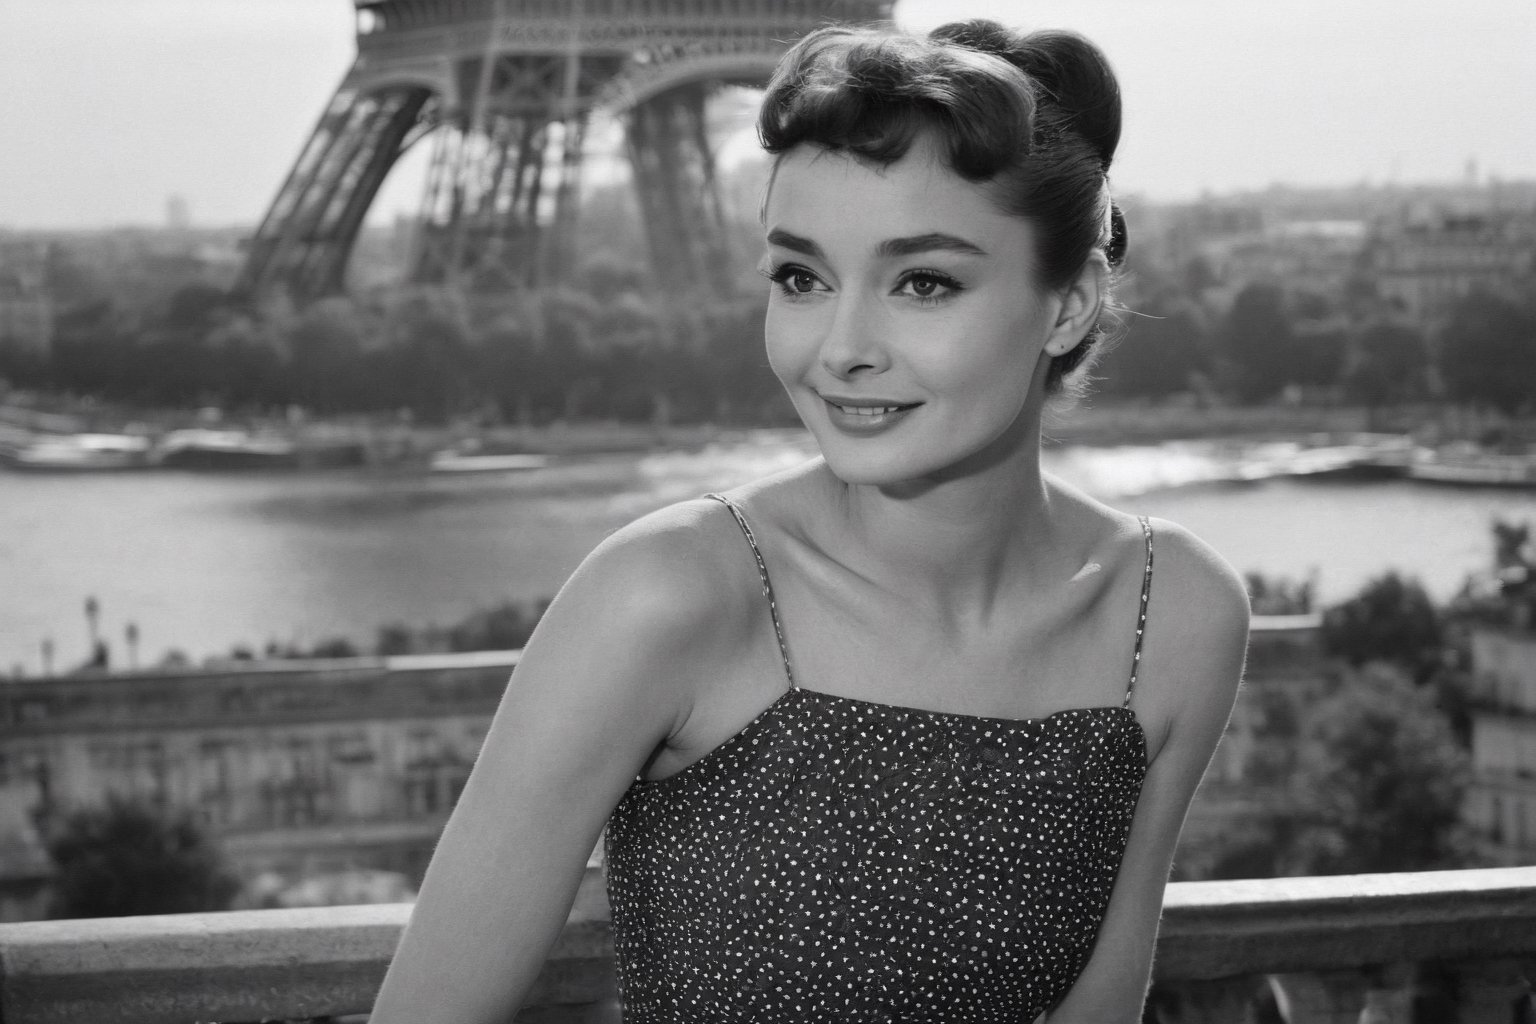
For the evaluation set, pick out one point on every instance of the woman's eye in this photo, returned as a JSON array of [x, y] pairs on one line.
[[793, 280], [929, 287]]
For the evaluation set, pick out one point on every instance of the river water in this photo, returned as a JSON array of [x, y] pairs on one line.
[[201, 562]]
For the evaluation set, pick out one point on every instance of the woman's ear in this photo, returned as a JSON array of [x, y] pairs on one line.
[[1081, 303]]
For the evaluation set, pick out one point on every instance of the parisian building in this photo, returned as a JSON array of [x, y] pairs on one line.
[[1423, 260], [298, 768], [1501, 798], [303, 769]]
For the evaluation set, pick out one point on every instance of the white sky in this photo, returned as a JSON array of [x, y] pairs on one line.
[[114, 105]]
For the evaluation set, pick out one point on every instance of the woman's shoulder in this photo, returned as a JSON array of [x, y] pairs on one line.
[[1188, 574], [1196, 633], [670, 577], [1191, 576]]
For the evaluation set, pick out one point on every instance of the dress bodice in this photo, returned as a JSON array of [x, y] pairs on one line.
[[845, 860]]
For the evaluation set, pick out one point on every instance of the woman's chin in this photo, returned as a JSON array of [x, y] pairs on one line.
[[888, 469]]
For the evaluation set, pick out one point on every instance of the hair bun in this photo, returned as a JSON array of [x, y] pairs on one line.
[[1069, 69], [980, 34]]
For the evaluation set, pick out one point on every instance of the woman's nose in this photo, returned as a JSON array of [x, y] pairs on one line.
[[852, 344]]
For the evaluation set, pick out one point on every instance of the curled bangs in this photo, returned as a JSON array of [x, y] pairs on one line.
[[873, 95]]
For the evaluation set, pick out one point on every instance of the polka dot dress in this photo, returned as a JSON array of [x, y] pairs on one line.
[[843, 860]]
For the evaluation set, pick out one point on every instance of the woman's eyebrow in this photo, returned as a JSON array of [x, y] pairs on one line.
[[794, 243], [891, 248], [931, 242]]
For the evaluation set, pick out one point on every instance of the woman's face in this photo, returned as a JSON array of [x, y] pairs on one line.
[[904, 320]]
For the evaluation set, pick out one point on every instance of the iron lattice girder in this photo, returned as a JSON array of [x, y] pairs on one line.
[[308, 233], [433, 27], [424, 40], [536, 85], [505, 77], [675, 179]]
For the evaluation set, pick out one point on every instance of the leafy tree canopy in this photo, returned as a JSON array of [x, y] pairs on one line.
[[1278, 595], [1487, 352], [1379, 782], [1257, 343], [1391, 619], [127, 858], [1387, 362], [1371, 779]]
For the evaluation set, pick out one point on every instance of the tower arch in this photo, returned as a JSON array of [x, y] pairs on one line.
[[507, 90]]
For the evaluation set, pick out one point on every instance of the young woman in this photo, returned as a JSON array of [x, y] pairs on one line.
[[907, 733]]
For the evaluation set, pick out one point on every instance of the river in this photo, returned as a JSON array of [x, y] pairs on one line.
[[201, 562]]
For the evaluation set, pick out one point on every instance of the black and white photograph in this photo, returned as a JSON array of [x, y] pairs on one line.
[[768, 511]]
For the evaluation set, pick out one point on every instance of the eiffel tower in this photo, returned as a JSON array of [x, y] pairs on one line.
[[504, 92]]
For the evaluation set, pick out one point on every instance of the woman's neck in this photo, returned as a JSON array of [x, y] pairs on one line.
[[957, 540]]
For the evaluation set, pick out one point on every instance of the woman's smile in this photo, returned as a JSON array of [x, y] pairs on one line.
[[865, 415]]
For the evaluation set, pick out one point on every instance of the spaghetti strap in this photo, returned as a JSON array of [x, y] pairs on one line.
[[1141, 614], [762, 572]]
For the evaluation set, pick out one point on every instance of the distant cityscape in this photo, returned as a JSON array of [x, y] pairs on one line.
[[1423, 246], [1351, 294]]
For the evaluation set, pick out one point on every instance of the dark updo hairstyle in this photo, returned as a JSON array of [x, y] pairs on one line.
[[1035, 118]]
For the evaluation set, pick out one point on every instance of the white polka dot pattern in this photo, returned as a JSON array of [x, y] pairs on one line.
[[839, 860], [845, 860]]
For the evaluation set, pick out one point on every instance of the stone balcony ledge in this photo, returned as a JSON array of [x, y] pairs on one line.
[[1265, 926], [1345, 948]]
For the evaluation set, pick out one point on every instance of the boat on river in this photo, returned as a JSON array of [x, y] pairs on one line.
[[77, 453], [472, 455], [202, 448], [485, 462], [1473, 466], [1361, 456]]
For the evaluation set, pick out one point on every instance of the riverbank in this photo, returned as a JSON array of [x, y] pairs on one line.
[[1102, 422], [211, 438], [74, 437], [1095, 421]]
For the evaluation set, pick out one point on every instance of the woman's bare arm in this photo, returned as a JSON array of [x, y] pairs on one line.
[[607, 676], [1197, 631]]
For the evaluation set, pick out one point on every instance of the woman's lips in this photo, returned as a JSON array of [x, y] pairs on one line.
[[865, 415]]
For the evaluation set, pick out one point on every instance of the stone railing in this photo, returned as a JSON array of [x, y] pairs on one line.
[[1437, 947], [1448, 947]]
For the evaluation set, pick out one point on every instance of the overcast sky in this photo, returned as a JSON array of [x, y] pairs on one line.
[[114, 105]]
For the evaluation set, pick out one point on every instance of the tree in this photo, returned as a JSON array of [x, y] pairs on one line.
[[1317, 354], [1278, 595], [1391, 619], [1387, 363], [1257, 343], [126, 858], [506, 626], [1370, 778], [324, 350], [1514, 561], [1379, 781], [194, 307], [1488, 352], [1160, 353]]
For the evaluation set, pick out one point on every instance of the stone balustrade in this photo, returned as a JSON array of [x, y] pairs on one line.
[[1445, 947], [1437, 947]]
